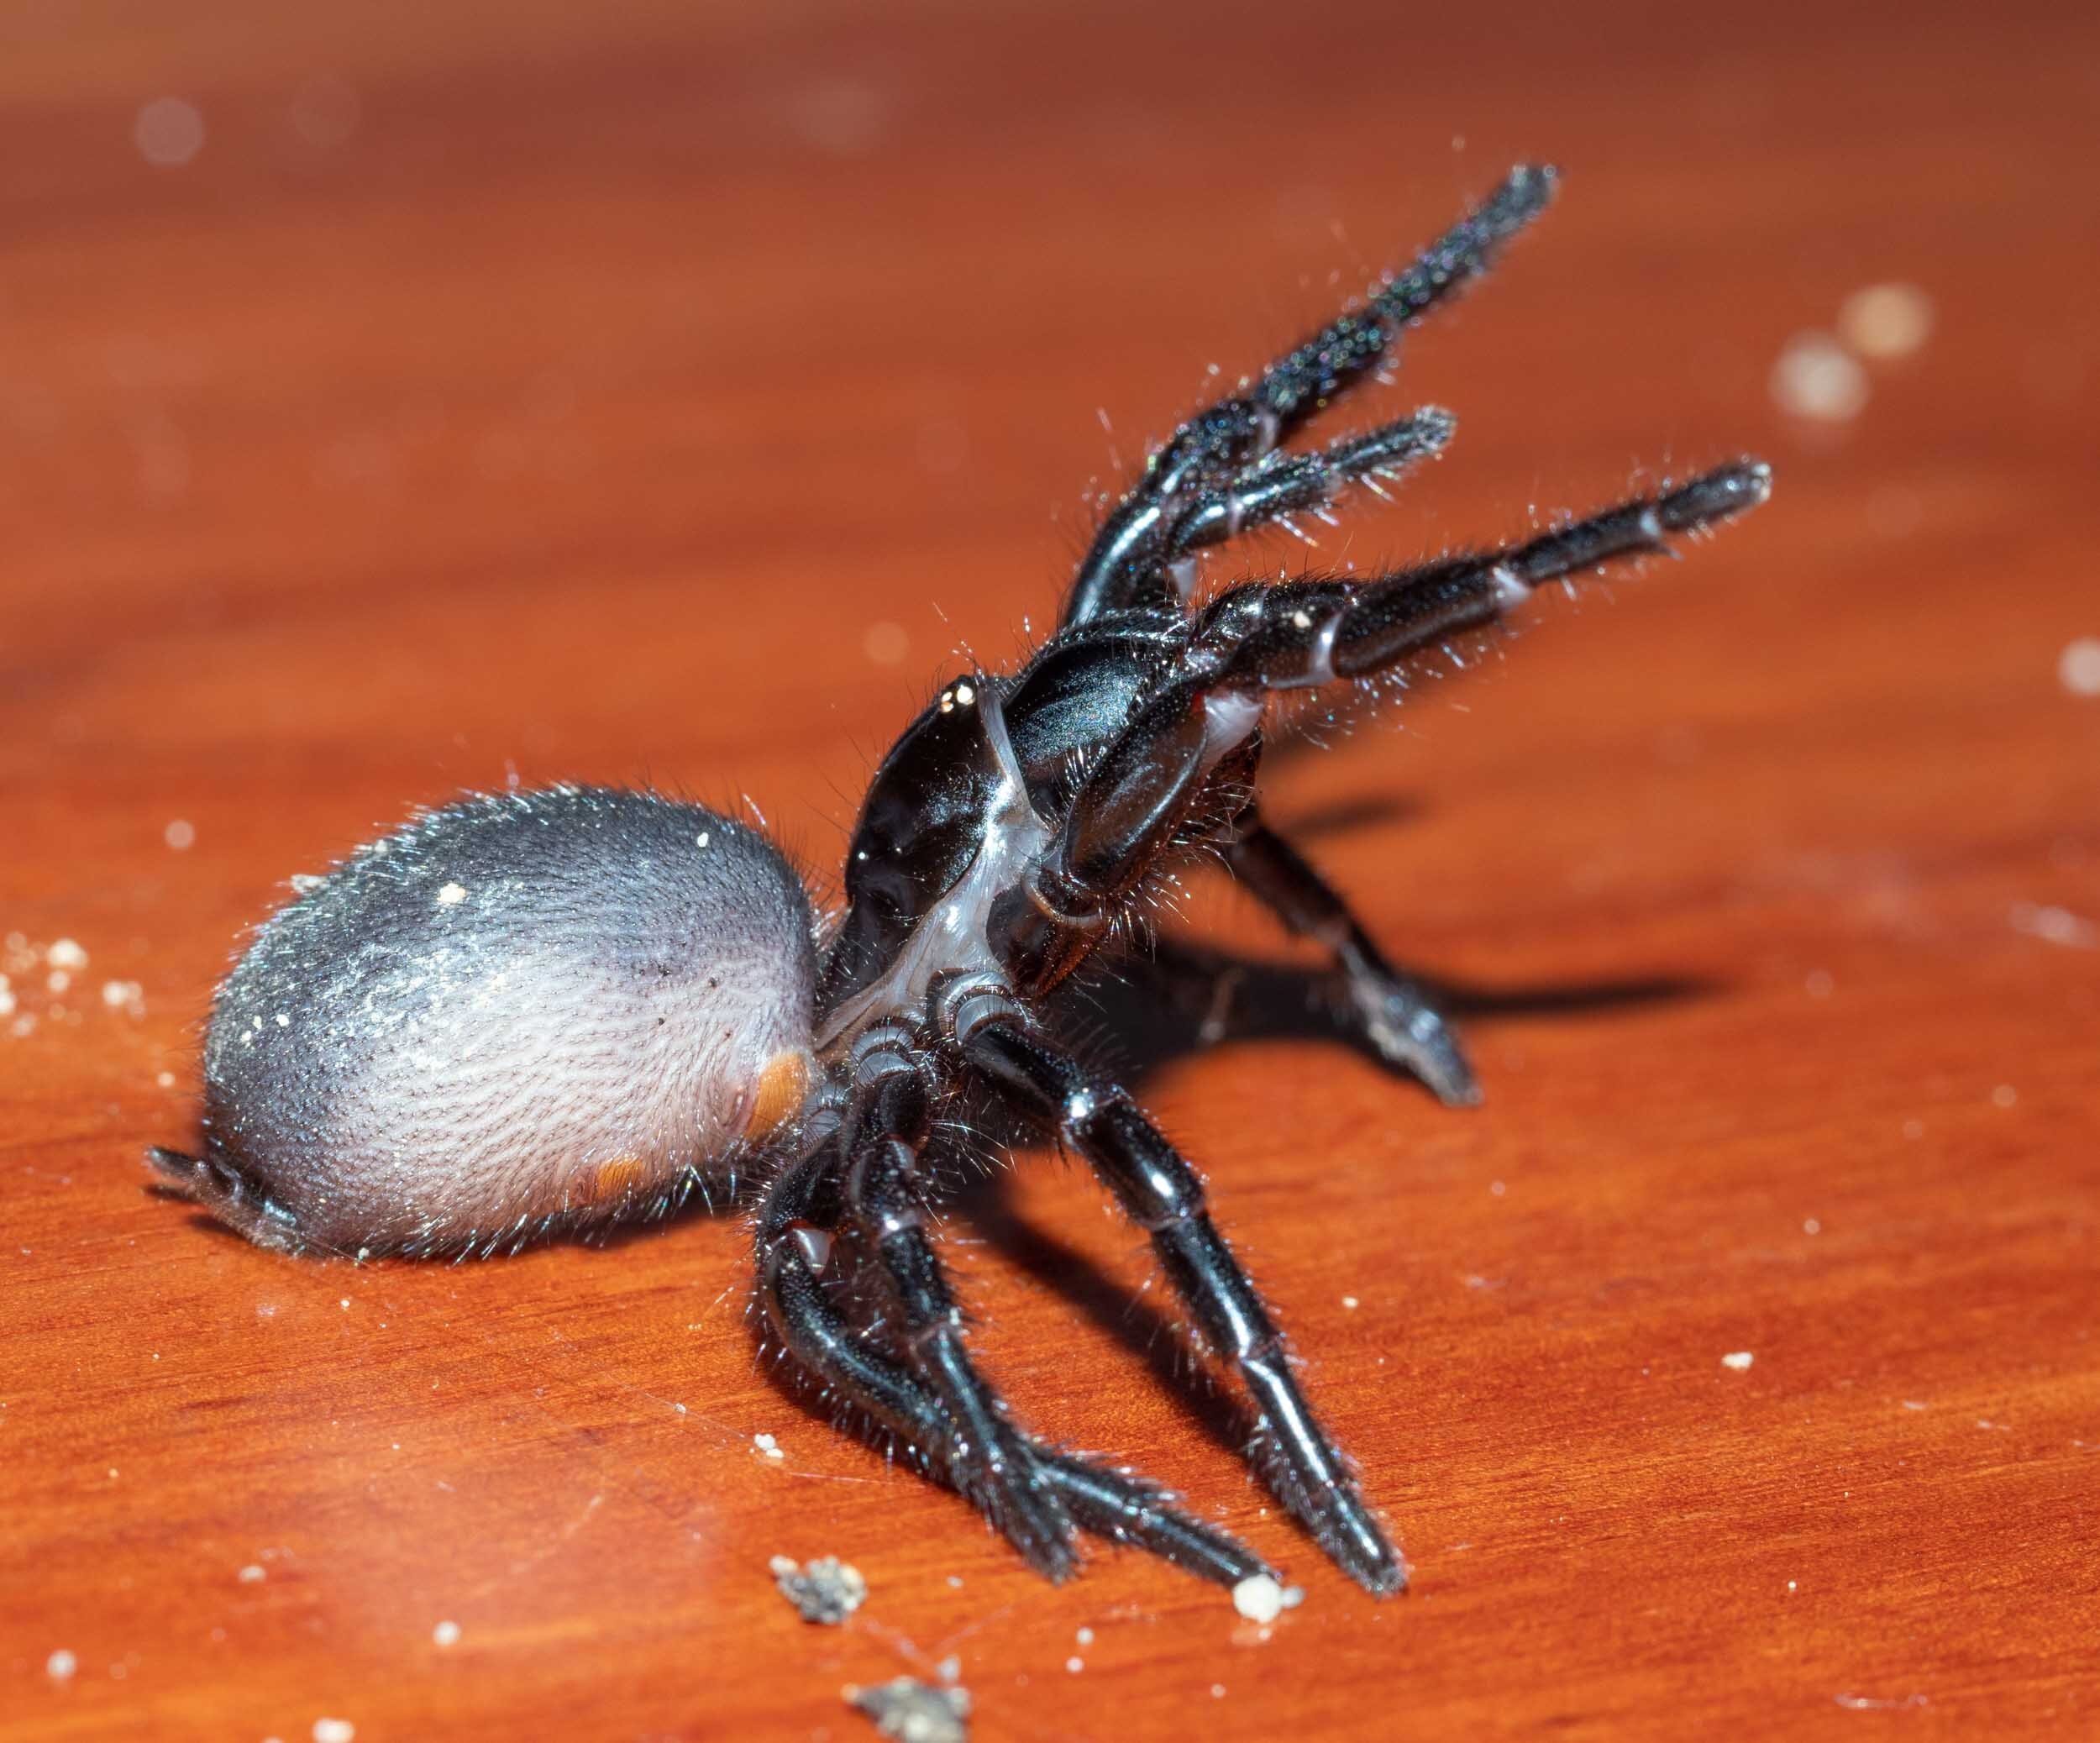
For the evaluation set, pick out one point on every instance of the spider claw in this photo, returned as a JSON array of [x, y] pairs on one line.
[[1353, 1540], [1021, 1504], [1409, 1034]]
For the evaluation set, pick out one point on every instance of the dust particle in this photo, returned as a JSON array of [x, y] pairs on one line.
[[446, 1633], [915, 1712], [2055, 925], [333, 1731], [826, 1590], [885, 644], [1817, 377], [168, 132], [2078, 666], [1885, 321], [60, 1666], [1737, 1360], [451, 895]]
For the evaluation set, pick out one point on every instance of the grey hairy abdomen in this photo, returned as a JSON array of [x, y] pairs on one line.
[[518, 1012]]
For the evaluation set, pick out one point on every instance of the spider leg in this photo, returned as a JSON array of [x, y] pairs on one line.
[[1280, 484], [1163, 1194], [1258, 638], [797, 1227], [1126, 566], [885, 1192], [1385, 1009], [1293, 633]]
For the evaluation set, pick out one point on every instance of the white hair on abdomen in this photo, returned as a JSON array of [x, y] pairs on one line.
[[518, 1012]]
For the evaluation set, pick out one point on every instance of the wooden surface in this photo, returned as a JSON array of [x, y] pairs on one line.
[[645, 392]]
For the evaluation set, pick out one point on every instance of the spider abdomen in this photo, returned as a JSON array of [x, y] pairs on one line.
[[518, 1013]]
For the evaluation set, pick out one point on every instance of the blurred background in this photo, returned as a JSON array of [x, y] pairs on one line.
[[399, 398]]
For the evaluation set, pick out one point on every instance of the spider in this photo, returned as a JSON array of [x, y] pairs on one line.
[[544, 1012]]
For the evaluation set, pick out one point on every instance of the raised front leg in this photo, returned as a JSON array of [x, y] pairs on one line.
[[1128, 564]]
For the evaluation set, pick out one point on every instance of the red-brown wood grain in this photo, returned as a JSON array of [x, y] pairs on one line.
[[651, 392]]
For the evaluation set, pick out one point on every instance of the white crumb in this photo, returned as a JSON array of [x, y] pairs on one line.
[[1258, 1598], [451, 895], [1886, 320], [2078, 666], [767, 1445], [446, 1633], [124, 995], [1085, 1637], [60, 1666], [333, 1731], [1817, 377], [251, 1574], [702, 838], [1737, 1360], [301, 882], [66, 954], [181, 834], [1075, 1664], [1350, 1302]]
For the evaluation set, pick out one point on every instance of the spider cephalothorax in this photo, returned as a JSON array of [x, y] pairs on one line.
[[550, 1011]]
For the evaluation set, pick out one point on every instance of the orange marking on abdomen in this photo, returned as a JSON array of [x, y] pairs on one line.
[[783, 1084], [614, 1179]]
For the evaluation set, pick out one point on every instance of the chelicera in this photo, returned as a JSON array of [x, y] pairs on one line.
[[550, 1011]]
